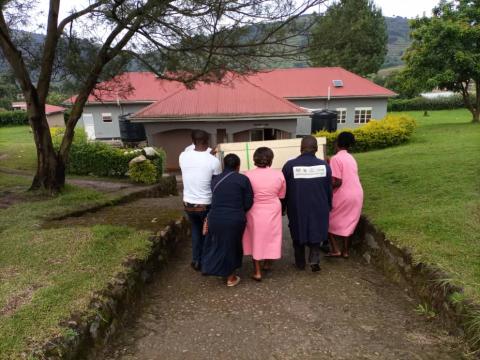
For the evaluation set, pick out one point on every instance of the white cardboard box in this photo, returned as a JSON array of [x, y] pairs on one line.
[[283, 151]]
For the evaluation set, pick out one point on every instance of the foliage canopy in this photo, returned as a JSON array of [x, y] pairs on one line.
[[351, 34], [445, 51]]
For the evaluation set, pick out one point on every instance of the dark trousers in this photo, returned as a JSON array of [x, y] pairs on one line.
[[313, 257], [196, 222]]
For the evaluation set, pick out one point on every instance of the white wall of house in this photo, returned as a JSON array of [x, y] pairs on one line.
[[102, 113], [56, 120], [377, 106]]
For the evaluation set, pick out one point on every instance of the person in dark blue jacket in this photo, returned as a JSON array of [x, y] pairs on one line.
[[232, 197], [308, 202]]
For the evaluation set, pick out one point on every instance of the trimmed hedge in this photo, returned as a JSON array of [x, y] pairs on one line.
[[9, 118], [100, 159], [96, 158], [143, 172], [376, 134], [421, 103]]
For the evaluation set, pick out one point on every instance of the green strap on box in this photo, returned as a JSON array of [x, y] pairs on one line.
[[247, 150]]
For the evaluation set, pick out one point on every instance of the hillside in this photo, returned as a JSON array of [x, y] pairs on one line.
[[398, 42]]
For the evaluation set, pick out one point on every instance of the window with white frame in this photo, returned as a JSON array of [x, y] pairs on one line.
[[107, 117], [341, 115], [362, 115]]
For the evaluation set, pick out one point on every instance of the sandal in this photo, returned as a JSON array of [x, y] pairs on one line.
[[333, 255], [257, 278], [234, 282], [345, 255]]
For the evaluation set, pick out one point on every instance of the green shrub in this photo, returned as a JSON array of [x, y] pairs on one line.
[[93, 158], [18, 117], [421, 103], [96, 158], [376, 134], [100, 159], [160, 161], [143, 172]]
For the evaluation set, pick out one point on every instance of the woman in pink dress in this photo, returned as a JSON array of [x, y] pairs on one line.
[[347, 199], [263, 235]]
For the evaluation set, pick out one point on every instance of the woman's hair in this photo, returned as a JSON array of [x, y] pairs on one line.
[[231, 162], [345, 140], [263, 157]]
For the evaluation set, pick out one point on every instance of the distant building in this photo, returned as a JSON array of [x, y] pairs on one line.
[[268, 105], [437, 94], [54, 113]]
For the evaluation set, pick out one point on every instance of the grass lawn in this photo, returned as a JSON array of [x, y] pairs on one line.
[[17, 149], [426, 194], [45, 274]]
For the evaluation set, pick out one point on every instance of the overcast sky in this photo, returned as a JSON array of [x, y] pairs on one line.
[[405, 8]]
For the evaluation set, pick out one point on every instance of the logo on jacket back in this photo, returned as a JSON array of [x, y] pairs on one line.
[[309, 172]]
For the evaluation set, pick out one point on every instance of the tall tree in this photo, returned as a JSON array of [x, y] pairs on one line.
[[445, 51], [187, 41], [351, 34]]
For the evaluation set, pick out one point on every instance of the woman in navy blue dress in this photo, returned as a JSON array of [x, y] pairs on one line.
[[232, 198]]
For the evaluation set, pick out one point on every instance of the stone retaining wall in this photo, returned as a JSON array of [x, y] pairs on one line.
[[90, 331], [426, 282]]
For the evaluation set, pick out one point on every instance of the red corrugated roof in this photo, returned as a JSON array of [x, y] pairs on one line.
[[132, 87], [314, 82], [49, 109], [286, 83], [52, 109], [239, 98]]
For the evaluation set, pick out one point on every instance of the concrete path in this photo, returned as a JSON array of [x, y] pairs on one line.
[[347, 311]]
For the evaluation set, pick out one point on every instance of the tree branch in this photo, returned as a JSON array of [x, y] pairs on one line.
[[14, 57], [78, 14], [49, 51]]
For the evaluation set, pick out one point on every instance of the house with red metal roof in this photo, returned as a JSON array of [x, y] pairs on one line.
[[125, 94], [54, 113], [274, 104]]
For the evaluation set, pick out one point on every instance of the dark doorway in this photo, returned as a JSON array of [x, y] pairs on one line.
[[221, 136]]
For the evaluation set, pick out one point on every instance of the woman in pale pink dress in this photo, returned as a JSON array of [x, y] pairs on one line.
[[347, 195], [263, 235]]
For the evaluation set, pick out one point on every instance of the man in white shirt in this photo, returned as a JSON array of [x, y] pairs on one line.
[[198, 166]]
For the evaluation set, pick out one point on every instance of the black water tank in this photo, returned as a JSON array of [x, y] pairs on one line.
[[130, 132], [324, 120]]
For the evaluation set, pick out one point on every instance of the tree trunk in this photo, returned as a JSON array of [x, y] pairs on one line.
[[476, 117], [476, 112], [50, 175]]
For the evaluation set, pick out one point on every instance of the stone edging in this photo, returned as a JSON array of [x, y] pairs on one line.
[[430, 284], [167, 186], [91, 330]]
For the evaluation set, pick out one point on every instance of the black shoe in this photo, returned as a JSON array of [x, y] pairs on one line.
[[325, 248], [195, 265], [315, 267], [299, 267]]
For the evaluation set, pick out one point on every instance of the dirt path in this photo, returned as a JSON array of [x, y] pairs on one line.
[[347, 311]]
